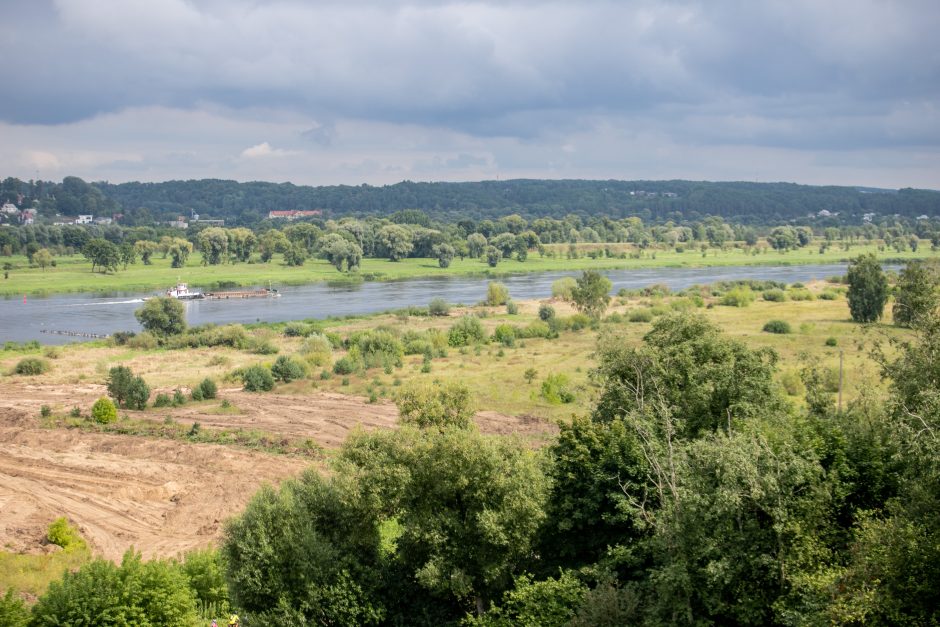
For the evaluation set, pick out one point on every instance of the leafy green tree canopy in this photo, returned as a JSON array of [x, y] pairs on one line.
[[868, 289]]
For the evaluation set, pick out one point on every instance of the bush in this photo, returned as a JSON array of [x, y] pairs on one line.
[[578, 322], [52, 352], [556, 389], [445, 405], [263, 347], [13, 610], [162, 316], [778, 326], [738, 297], [196, 394], [30, 366], [640, 315], [162, 400], [438, 307], [546, 312], [257, 379], [103, 411], [793, 383], [831, 341], [505, 334], [379, 348], [512, 308], [208, 388], [563, 287], [467, 330], [774, 296], [45, 411], [286, 369], [345, 365], [801, 294], [536, 328], [828, 295], [178, 399], [496, 294], [298, 329], [143, 341], [61, 533]]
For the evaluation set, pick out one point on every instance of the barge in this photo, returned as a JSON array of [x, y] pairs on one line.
[[182, 292]]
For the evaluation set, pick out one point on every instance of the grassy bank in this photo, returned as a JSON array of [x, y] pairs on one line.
[[73, 274]]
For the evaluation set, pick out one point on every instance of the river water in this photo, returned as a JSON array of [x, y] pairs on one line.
[[106, 313]]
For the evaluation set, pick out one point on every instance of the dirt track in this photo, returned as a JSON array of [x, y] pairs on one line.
[[161, 496]]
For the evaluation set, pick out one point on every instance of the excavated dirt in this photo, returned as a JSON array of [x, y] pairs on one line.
[[164, 497]]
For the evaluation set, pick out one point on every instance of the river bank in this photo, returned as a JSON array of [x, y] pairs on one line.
[[73, 274]]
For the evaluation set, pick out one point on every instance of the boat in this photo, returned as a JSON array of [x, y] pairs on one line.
[[262, 293], [182, 292]]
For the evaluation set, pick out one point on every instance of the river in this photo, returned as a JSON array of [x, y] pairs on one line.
[[106, 313]]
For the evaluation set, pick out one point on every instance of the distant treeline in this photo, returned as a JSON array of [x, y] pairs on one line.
[[652, 201]]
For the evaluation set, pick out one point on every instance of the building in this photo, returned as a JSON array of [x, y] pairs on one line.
[[179, 223], [84, 219], [292, 214], [9, 208]]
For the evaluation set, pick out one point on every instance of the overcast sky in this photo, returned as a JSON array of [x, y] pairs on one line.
[[837, 91]]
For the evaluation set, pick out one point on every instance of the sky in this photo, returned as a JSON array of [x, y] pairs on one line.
[[843, 92]]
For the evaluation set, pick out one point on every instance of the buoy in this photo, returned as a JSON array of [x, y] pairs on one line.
[[24, 299]]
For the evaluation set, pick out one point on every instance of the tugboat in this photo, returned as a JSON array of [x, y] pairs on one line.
[[182, 292]]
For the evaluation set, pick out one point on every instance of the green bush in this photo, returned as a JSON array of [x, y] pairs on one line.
[[196, 394], [30, 366], [208, 388], [546, 312], [556, 389], [345, 365], [263, 347], [257, 379], [162, 400], [505, 334], [640, 315], [286, 369], [536, 328], [426, 405], [61, 533], [205, 571], [143, 341], [563, 287], [774, 295], [379, 347], [298, 329], [578, 321], [828, 295], [778, 326], [103, 411], [467, 330], [126, 389], [13, 610], [793, 383], [178, 399], [45, 411], [738, 297], [831, 341], [438, 307], [801, 294], [512, 308], [496, 294]]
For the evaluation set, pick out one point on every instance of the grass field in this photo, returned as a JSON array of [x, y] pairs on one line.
[[73, 274]]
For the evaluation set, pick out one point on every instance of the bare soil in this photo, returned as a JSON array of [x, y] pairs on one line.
[[164, 497]]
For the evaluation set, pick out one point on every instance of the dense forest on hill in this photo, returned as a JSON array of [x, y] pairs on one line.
[[652, 201]]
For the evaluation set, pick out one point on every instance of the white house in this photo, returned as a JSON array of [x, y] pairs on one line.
[[9, 208], [84, 219]]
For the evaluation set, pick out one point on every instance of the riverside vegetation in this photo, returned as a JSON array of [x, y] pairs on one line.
[[706, 468]]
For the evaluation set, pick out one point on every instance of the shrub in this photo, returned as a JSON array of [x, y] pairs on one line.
[[556, 389], [162, 400], [208, 388], [505, 334], [640, 315], [143, 341], [778, 326], [62, 534], [126, 389], [13, 610], [287, 369], [257, 379], [793, 383], [379, 347], [831, 341], [512, 308], [579, 321], [298, 329], [196, 394], [801, 294], [178, 399], [496, 294], [345, 365], [162, 316], [45, 411], [103, 411], [562, 288], [775, 296], [30, 366], [263, 347], [546, 312], [467, 330], [438, 307], [536, 328], [828, 295], [738, 297], [426, 405], [52, 352]]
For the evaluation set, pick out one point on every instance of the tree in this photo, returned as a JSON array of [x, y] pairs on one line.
[[444, 254], [476, 242], [917, 293], [179, 249], [145, 248], [396, 240], [102, 254], [591, 294], [104, 411], [783, 238], [273, 241], [340, 252], [445, 405], [162, 316], [868, 289], [304, 234], [492, 255], [496, 294], [213, 243], [689, 367], [128, 254], [42, 258], [134, 593], [295, 256], [241, 243]]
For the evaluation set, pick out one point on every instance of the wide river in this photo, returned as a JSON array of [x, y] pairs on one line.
[[103, 314]]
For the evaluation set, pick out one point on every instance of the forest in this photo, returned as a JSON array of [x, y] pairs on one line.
[[245, 204]]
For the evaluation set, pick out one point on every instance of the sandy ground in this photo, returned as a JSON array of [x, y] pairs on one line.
[[160, 496]]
